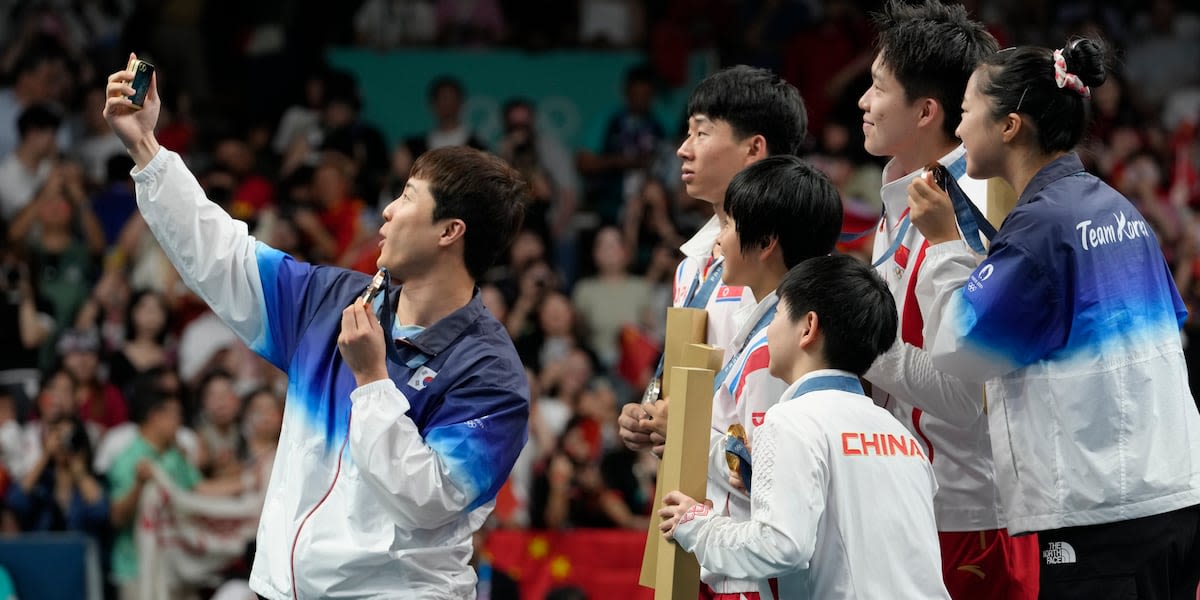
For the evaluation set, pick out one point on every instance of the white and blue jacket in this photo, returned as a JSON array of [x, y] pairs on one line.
[[1073, 321], [376, 490]]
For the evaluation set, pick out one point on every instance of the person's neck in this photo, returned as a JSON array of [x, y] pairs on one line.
[[923, 152], [145, 338], [155, 442], [767, 280], [612, 275], [259, 446], [807, 362], [448, 125], [427, 299], [1022, 166]]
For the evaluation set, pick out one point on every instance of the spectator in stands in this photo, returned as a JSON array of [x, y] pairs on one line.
[[55, 402], [144, 345], [27, 165], [446, 96], [542, 159], [25, 319], [333, 224], [61, 492], [35, 82], [261, 422], [100, 402], [117, 439], [63, 240], [302, 120], [612, 298], [221, 440], [647, 225], [622, 148], [158, 415]]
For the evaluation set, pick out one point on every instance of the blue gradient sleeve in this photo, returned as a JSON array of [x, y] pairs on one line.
[[1010, 309], [479, 452], [293, 293]]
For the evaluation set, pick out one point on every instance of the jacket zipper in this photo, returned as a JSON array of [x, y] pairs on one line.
[[337, 471]]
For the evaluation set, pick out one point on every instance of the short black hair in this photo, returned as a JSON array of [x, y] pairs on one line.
[[446, 81], [1022, 81], [855, 310], [785, 198], [753, 101], [482, 190], [932, 48], [149, 396], [37, 117]]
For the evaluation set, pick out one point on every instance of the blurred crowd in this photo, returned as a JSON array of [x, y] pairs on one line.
[[107, 359]]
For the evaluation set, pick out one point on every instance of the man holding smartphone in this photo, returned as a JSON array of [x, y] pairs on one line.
[[395, 442]]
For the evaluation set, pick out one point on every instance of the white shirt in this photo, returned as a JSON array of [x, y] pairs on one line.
[[18, 185], [845, 518], [943, 412]]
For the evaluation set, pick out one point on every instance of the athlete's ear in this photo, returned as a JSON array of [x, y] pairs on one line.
[[931, 112], [771, 246], [756, 148], [453, 231], [810, 330]]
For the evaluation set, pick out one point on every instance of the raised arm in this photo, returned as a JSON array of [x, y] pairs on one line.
[[256, 290]]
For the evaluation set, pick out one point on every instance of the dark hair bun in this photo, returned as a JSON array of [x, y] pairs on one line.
[[1085, 58]]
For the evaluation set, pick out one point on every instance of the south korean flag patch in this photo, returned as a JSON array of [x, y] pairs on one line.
[[423, 377]]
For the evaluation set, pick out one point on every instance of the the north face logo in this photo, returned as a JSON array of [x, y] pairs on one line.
[[1058, 553]]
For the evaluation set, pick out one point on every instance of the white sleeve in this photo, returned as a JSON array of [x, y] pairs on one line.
[[412, 482], [214, 254], [787, 504], [908, 372]]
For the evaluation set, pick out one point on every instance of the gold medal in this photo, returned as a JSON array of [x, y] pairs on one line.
[[735, 431]]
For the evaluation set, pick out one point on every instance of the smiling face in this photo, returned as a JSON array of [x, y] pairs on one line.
[[711, 155], [889, 117], [981, 134], [410, 235]]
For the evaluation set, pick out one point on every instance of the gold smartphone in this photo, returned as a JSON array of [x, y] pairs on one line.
[[143, 72]]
